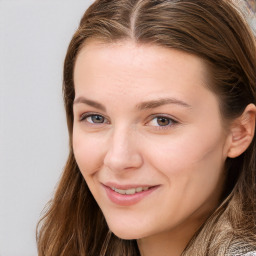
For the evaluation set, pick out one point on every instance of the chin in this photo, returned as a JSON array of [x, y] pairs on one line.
[[127, 233], [129, 224], [125, 236]]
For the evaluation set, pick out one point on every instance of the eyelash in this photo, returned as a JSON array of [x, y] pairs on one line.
[[84, 116], [171, 122]]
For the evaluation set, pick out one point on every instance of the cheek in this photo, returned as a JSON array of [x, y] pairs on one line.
[[87, 152], [193, 151], [192, 167]]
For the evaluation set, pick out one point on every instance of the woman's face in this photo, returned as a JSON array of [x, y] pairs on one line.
[[148, 137]]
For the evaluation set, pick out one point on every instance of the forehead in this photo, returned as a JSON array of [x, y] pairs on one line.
[[141, 69], [124, 54]]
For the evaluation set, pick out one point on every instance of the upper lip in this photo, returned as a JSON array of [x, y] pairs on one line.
[[126, 186]]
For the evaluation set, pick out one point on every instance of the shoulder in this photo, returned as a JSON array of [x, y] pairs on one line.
[[241, 248], [250, 254]]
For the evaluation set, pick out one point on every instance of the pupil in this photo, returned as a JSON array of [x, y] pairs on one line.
[[97, 119], [163, 121]]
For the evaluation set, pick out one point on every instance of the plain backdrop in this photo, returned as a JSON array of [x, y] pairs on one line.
[[34, 36]]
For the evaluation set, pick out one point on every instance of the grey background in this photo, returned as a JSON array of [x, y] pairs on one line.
[[34, 36]]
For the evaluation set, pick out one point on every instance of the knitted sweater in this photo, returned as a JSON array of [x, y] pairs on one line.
[[249, 254]]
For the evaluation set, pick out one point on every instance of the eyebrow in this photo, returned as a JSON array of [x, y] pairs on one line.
[[143, 105], [160, 102], [89, 102]]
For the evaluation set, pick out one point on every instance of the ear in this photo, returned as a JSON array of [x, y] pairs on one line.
[[242, 132]]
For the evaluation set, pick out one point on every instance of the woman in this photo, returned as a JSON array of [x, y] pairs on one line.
[[160, 103]]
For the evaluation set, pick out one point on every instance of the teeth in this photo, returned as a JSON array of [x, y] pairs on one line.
[[139, 189], [130, 191], [120, 191]]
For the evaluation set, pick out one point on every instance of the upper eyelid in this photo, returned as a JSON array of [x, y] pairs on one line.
[[87, 114], [174, 119]]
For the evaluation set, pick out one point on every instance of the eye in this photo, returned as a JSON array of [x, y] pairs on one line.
[[93, 118], [162, 121]]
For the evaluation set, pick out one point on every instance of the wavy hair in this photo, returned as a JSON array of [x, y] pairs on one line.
[[73, 224]]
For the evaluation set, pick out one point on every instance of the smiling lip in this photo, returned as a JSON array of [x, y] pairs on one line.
[[129, 194]]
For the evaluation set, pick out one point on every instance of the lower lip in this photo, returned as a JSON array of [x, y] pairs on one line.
[[127, 200]]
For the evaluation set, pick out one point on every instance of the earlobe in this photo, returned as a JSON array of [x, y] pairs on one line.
[[242, 132]]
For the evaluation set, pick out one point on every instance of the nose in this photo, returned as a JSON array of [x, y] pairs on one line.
[[123, 151]]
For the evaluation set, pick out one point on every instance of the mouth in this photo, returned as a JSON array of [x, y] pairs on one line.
[[128, 195], [130, 191]]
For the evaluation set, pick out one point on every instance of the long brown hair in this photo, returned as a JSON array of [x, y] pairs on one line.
[[211, 29]]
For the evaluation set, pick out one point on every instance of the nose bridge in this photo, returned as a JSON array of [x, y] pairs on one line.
[[123, 152]]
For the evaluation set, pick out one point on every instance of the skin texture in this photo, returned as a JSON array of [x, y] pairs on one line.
[[127, 143]]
